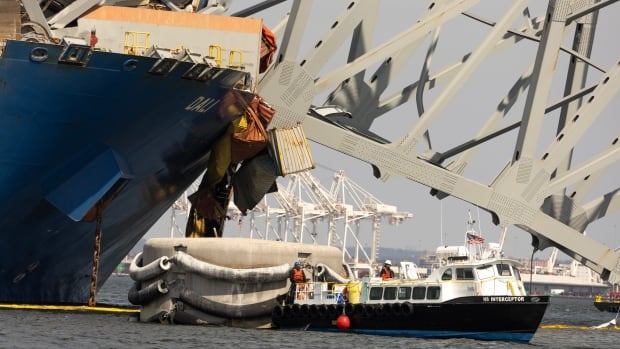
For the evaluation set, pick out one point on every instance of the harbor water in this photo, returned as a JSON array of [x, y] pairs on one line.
[[568, 323]]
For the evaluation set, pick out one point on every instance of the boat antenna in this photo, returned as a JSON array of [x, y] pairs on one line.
[[471, 230], [470, 222]]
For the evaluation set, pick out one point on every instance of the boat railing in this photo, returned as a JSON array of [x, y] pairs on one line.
[[215, 53], [321, 293], [235, 60], [613, 297], [135, 41]]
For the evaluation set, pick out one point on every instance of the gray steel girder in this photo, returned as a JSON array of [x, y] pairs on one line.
[[540, 189]]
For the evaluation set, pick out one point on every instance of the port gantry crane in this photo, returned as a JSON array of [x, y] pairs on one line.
[[548, 183], [302, 204]]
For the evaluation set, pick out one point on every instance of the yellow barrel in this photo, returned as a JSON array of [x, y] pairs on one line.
[[354, 288]]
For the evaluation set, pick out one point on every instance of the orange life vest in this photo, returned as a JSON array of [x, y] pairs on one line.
[[297, 275], [386, 273]]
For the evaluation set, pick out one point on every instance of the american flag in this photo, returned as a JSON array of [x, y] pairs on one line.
[[474, 239]]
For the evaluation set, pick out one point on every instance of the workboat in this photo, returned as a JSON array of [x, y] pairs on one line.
[[104, 123], [475, 292], [610, 302]]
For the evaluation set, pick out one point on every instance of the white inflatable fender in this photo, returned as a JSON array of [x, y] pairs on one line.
[[151, 270], [188, 263], [330, 274]]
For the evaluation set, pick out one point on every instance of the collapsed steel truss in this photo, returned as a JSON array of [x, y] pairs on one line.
[[541, 192]]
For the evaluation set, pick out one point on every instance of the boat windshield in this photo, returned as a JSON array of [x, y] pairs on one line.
[[503, 269], [485, 272], [464, 274]]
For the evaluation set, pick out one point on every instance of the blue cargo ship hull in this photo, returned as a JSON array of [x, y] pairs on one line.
[[86, 127]]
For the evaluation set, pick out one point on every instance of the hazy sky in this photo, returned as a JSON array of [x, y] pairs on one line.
[[435, 221]]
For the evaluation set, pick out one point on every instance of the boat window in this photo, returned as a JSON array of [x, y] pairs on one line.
[[433, 292], [503, 270], [447, 274], [485, 272], [376, 293], [404, 292], [419, 292], [390, 293], [464, 274]]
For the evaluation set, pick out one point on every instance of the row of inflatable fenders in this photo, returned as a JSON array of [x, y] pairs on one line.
[[141, 294], [332, 311]]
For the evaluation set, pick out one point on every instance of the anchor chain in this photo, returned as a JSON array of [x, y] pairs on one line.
[[92, 301]]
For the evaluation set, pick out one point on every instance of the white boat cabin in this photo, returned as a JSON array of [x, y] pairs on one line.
[[460, 274]]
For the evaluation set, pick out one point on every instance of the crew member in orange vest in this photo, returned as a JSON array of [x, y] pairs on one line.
[[386, 271], [297, 276]]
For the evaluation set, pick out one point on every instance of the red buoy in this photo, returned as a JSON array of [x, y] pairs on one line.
[[343, 322]]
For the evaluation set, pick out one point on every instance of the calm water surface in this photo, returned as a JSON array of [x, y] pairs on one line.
[[53, 329]]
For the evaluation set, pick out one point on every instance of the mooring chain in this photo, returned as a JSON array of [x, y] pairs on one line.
[[92, 301]]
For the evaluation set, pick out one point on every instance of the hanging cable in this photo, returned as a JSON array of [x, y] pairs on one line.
[[531, 269]]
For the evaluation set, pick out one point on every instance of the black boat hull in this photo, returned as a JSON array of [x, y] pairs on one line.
[[484, 318], [611, 307]]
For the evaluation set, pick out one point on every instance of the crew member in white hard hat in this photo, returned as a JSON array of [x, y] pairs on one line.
[[386, 271]]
